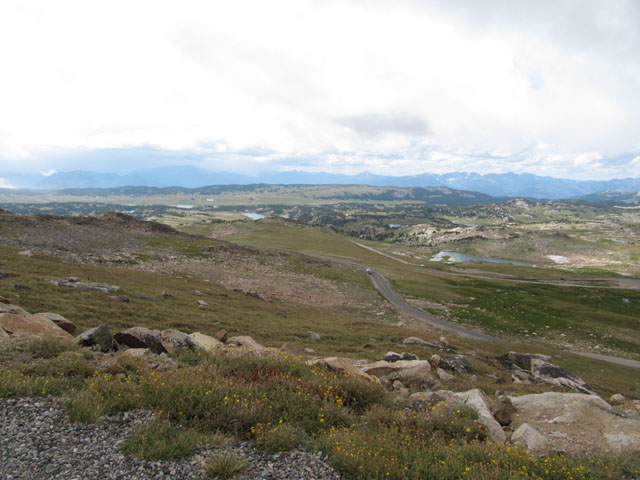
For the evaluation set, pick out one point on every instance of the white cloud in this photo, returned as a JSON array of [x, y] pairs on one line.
[[48, 173], [5, 184], [343, 85]]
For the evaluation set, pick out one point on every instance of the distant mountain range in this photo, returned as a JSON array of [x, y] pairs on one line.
[[495, 184]]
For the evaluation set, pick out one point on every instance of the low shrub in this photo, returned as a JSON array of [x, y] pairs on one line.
[[225, 466]]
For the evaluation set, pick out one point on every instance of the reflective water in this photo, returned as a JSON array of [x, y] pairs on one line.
[[461, 257]]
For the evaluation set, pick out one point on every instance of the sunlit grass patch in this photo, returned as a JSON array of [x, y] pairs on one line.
[[161, 440]]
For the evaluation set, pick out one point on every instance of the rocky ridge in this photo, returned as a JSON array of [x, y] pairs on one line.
[[549, 422]]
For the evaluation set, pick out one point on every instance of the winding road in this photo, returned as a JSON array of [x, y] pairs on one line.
[[384, 287]]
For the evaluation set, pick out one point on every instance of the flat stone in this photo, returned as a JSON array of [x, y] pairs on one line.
[[63, 323], [205, 342], [33, 326]]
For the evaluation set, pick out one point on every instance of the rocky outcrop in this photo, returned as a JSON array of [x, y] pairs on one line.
[[529, 437], [74, 282], [63, 323], [530, 367], [503, 410], [549, 373], [32, 326], [249, 344], [477, 400], [141, 337], [205, 342], [444, 376], [98, 336], [560, 416], [341, 365], [411, 373], [14, 309], [394, 357], [453, 363], [423, 343], [173, 341]]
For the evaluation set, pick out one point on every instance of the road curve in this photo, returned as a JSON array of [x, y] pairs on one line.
[[384, 287]]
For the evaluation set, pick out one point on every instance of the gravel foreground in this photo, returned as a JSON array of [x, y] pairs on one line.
[[37, 441]]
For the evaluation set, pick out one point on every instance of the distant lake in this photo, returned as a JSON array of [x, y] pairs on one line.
[[461, 257], [186, 207], [254, 215]]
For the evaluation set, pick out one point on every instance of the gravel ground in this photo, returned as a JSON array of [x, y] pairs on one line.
[[37, 441]]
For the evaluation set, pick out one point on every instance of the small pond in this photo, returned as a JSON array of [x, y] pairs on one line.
[[461, 257], [254, 215]]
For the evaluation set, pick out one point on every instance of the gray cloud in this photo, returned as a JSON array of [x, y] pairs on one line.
[[373, 124]]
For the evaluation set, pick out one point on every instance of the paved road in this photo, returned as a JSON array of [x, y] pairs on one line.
[[384, 287], [608, 358]]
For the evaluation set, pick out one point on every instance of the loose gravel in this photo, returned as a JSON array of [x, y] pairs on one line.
[[38, 442]]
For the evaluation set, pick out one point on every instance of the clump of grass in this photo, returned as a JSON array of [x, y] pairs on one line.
[[84, 408], [15, 383], [225, 466], [161, 440], [275, 438], [47, 347]]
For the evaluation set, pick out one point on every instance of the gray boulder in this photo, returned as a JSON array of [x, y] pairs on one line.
[[529, 437], [453, 363], [141, 337], [549, 373], [100, 336], [174, 341]]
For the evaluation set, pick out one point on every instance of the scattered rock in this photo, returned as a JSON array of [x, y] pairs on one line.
[[100, 336], [290, 350], [309, 350], [529, 437], [198, 293], [63, 323], [392, 357], [134, 354], [444, 341], [479, 402], [14, 309], [521, 360], [412, 373], [221, 336], [4, 336], [164, 294], [205, 342], [141, 337], [248, 344], [617, 398], [18, 287], [554, 375], [453, 363], [25, 253], [503, 410], [74, 282], [120, 298], [249, 293], [444, 376], [174, 340], [314, 336], [424, 343], [32, 326], [342, 365], [202, 303]]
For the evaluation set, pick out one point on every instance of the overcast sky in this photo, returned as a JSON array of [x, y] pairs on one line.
[[393, 87]]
